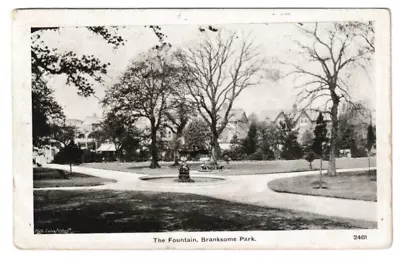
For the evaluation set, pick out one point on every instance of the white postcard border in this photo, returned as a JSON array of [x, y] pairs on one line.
[[309, 239]]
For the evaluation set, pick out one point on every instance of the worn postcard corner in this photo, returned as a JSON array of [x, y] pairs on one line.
[[202, 129]]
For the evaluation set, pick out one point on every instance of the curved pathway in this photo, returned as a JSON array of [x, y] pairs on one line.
[[251, 189]]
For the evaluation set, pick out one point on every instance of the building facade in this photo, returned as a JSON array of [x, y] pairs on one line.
[[238, 125], [305, 119], [85, 128]]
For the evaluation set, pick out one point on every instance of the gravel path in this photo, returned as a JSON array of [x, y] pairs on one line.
[[251, 189]]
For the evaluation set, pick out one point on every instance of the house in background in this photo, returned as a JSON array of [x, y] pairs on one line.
[[45, 154], [85, 128], [74, 122], [305, 119], [238, 126]]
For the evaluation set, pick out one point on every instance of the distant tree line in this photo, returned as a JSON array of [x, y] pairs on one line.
[[272, 141], [184, 89]]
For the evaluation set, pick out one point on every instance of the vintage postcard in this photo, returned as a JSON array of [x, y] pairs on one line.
[[202, 129]]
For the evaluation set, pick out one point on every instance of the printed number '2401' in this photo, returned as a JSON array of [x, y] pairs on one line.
[[360, 237]]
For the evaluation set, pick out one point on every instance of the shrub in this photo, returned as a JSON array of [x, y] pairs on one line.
[[256, 156], [269, 155], [89, 156], [235, 153], [226, 158], [357, 151], [310, 157], [69, 154]]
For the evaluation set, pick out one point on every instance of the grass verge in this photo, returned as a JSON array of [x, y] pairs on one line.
[[235, 167], [349, 185], [51, 178]]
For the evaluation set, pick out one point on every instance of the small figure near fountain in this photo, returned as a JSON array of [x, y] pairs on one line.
[[184, 179], [184, 172], [209, 166]]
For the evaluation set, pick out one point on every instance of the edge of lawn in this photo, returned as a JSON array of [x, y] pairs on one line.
[[272, 185], [227, 172], [74, 179]]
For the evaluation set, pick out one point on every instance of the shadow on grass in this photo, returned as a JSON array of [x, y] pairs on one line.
[[50, 178], [107, 211]]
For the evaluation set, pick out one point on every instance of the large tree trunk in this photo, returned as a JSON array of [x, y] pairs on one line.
[[176, 152], [332, 152], [369, 163], [153, 149], [176, 158], [215, 149], [320, 173], [332, 159]]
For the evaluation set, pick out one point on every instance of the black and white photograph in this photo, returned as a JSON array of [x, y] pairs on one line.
[[199, 133]]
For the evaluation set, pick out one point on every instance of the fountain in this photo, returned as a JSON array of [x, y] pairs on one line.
[[184, 173], [184, 179]]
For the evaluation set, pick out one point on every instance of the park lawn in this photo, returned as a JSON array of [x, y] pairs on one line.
[[350, 185], [235, 167], [111, 211], [49, 178]]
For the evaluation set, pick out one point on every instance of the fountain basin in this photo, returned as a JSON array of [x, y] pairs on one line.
[[173, 180]]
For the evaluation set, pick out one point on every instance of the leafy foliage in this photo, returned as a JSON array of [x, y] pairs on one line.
[[109, 34], [235, 153], [307, 141], [261, 143], [64, 134], [258, 155], [162, 37], [144, 91], [235, 140], [177, 117], [320, 137], [70, 154], [79, 70], [371, 138], [46, 113], [268, 140], [291, 148], [307, 138], [251, 140], [120, 131], [352, 130], [310, 157], [181, 110], [197, 136]]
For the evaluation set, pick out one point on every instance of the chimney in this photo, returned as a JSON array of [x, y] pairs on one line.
[[294, 108]]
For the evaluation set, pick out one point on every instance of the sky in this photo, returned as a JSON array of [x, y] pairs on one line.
[[275, 41]]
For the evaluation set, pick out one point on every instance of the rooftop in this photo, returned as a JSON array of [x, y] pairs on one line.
[[273, 114]]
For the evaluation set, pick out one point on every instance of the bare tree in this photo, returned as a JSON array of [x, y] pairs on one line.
[[364, 31], [217, 70], [330, 56]]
